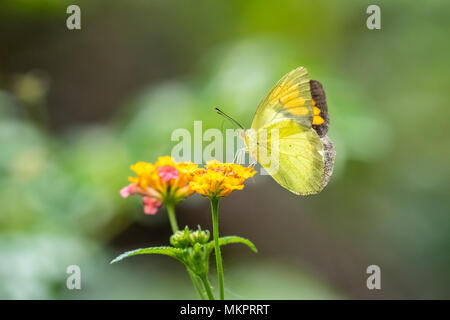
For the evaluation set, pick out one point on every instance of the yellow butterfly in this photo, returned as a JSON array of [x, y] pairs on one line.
[[288, 134]]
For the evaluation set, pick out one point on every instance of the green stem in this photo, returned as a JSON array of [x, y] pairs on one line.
[[172, 217], [215, 218], [207, 286], [174, 226], [196, 284]]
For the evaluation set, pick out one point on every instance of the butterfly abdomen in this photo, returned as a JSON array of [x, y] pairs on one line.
[[321, 119]]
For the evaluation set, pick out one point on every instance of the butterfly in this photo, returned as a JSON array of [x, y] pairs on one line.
[[288, 134]]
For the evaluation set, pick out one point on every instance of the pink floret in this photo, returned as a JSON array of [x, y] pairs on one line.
[[151, 205], [130, 189], [167, 173]]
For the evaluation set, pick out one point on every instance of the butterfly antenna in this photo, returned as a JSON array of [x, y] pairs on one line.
[[228, 117]]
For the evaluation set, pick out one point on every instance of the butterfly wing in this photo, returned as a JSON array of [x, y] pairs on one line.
[[301, 162], [290, 98]]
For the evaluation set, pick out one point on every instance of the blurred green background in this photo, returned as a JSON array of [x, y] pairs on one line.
[[78, 107]]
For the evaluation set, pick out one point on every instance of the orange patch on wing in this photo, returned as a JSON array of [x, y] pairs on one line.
[[284, 97], [288, 96], [291, 96], [295, 106], [318, 120], [296, 102], [298, 111]]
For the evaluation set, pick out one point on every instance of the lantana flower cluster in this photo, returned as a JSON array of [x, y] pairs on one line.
[[169, 182], [218, 179], [165, 182]]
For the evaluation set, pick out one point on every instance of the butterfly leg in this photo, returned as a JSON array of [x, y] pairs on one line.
[[240, 156], [236, 156]]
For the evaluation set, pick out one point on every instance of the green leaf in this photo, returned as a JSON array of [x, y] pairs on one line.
[[168, 251], [233, 239]]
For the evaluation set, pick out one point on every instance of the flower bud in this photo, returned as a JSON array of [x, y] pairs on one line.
[[199, 236], [181, 239], [197, 251]]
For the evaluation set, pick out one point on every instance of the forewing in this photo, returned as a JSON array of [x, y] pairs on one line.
[[290, 99]]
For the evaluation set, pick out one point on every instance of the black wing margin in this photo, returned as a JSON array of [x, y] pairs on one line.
[[318, 95]]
